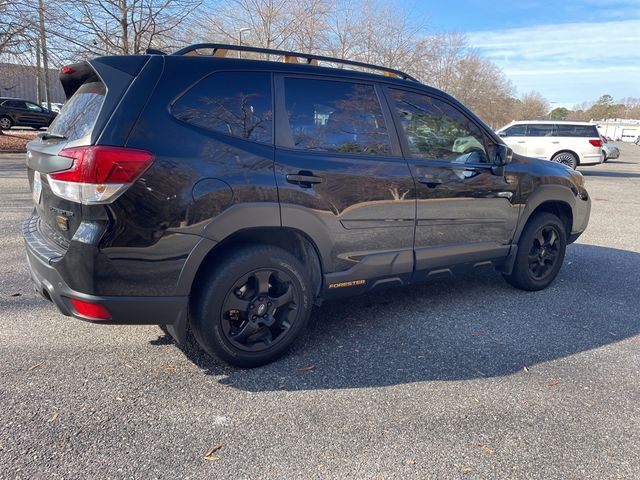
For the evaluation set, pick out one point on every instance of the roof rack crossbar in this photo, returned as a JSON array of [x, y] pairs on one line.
[[220, 49]]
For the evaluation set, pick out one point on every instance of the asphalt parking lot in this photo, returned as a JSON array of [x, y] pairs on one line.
[[465, 378]]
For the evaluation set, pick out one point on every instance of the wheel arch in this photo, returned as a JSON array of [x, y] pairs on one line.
[[556, 199], [207, 253]]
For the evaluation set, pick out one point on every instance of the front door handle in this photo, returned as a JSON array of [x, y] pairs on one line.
[[304, 179], [430, 181]]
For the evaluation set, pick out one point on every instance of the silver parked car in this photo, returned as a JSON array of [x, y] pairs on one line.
[[609, 150]]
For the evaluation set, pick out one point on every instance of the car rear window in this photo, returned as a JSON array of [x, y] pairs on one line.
[[541, 130], [79, 114], [233, 103], [335, 116], [577, 130]]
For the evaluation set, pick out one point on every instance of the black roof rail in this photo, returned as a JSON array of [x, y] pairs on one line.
[[220, 50]]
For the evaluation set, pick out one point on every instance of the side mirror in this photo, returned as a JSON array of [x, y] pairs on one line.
[[503, 156]]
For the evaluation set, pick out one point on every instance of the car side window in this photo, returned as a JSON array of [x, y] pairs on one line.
[[516, 131], [335, 116], [233, 103], [34, 107], [541, 130], [436, 130]]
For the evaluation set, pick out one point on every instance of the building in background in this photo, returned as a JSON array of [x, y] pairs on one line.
[[619, 129], [19, 81]]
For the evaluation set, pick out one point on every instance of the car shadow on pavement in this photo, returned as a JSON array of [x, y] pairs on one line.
[[458, 329], [595, 173]]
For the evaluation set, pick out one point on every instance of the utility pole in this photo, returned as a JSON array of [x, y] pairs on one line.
[[45, 55], [38, 74]]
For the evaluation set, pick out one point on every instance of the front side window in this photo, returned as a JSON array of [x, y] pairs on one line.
[[516, 131], [335, 116], [33, 107], [436, 130], [233, 103], [541, 130]]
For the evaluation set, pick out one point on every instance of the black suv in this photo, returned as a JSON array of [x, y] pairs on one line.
[[229, 195], [15, 112]]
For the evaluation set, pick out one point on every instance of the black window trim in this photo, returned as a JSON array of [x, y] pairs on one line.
[[430, 161], [284, 136], [221, 135]]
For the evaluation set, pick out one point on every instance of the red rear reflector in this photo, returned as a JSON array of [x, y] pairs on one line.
[[596, 143], [100, 165], [90, 310], [67, 70]]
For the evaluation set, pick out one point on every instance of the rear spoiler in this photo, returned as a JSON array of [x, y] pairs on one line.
[[111, 70]]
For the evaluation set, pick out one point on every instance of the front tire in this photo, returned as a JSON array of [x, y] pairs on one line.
[[253, 306], [541, 251], [5, 123], [566, 158]]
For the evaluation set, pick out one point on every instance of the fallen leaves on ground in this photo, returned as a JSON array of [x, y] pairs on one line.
[[525, 369], [15, 140], [54, 417], [553, 383], [487, 450], [308, 369], [211, 456], [169, 369], [409, 461], [467, 470], [34, 366]]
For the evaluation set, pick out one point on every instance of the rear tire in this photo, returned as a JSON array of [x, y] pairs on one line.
[[5, 123], [540, 254], [253, 306], [566, 158]]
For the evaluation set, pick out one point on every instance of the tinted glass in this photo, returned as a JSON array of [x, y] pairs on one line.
[[577, 130], [516, 131], [233, 103], [34, 107], [14, 104], [436, 130], [540, 130], [79, 114], [335, 117]]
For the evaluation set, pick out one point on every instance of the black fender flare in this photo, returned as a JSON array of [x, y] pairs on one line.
[[542, 194]]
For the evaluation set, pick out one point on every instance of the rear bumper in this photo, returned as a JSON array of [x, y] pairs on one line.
[[592, 159], [128, 310]]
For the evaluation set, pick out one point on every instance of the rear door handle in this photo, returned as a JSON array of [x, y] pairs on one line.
[[430, 181], [304, 179], [521, 141]]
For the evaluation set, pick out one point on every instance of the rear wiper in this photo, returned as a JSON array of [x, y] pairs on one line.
[[48, 135]]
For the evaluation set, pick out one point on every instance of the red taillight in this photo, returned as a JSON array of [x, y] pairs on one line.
[[98, 174], [67, 70], [596, 143], [104, 165], [92, 311]]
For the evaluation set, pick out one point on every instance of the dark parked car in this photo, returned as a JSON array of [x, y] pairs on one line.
[[15, 112], [229, 195]]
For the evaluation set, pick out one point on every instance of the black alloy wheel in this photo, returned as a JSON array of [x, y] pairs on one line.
[[251, 304], [544, 252], [540, 253], [259, 309]]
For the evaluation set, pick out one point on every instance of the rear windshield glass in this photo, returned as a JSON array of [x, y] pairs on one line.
[[577, 130], [77, 117]]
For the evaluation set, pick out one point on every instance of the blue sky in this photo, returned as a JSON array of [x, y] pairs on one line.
[[569, 50]]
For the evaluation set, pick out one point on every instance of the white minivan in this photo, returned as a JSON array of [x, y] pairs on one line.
[[571, 143]]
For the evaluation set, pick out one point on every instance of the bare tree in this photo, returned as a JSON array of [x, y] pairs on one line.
[[532, 106]]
